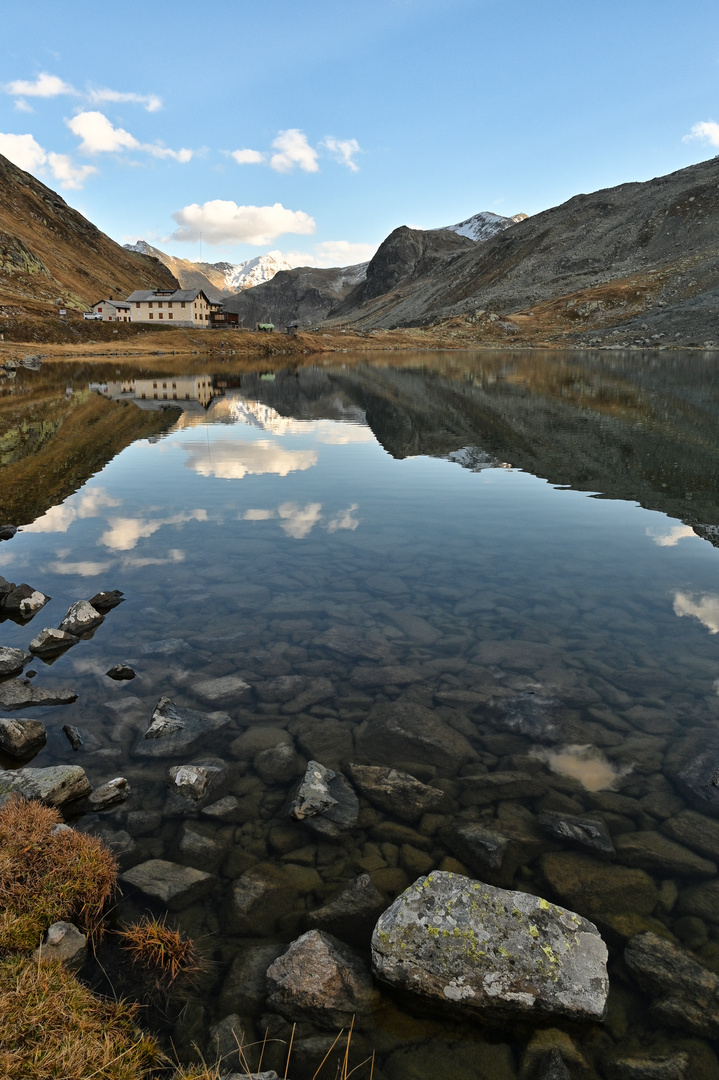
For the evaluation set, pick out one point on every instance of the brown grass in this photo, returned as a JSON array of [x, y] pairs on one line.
[[154, 945], [46, 878], [53, 1028]]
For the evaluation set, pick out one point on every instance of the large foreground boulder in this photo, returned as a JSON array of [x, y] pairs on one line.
[[491, 951]]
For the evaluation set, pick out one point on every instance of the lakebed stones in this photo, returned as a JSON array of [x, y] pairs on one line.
[[696, 831], [320, 980], [192, 787], [19, 694], [588, 833], [325, 802], [658, 854], [12, 661], [225, 690], [695, 778], [259, 898], [278, 764], [597, 887], [405, 731], [684, 994], [175, 730], [64, 942], [172, 885], [397, 793], [81, 618], [497, 786], [21, 738], [51, 642], [56, 786], [489, 951]]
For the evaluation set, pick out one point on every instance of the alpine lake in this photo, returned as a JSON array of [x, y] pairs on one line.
[[522, 545]]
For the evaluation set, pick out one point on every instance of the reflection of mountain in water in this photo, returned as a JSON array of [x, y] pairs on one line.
[[641, 430]]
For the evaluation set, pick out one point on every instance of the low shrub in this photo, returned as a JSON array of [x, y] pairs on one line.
[[163, 952], [45, 878]]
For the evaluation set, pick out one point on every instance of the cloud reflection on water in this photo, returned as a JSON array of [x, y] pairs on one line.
[[587, 764], [226, 459], [705, 609]]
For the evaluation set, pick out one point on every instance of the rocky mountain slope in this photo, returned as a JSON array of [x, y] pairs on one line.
[[303, 295], [484, 225], [638, 263], [50, 255], [217, 279]]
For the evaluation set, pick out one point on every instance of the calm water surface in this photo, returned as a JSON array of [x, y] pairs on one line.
[[535, 529]]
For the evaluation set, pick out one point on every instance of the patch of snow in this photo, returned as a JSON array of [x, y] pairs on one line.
[[484, 225]]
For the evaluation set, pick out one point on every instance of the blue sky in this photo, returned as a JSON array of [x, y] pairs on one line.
[[315, 128]]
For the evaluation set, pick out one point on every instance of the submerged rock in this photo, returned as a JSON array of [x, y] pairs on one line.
[[398, 793], [81, 618], [12, 661], [684, 994], [175, 730], [405, 731], [325, 802], [7, 532], [21, 695], [260, 897], [21, 738], [657, 854], [56, 786], [580, 832], [109, 794], [491, 951], [50, 642], [173, 885], [598, 887], [696, 780], [225, 690], [318, 979], [351, 915]]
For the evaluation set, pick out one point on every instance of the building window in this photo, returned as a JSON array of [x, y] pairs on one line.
[[164, 397], [155, 396], [170, 315], [174, 397], [136, 304], [99, 311], [182, 303], [151, 315], [150, 304], [164, 386], [154, 386], [187, 397], [161, 315], [142, 396]]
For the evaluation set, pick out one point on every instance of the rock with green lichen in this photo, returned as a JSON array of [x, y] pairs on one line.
[[487, 950]]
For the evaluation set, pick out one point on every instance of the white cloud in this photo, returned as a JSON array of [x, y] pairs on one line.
[[258, 515], [60, 518], [248, 157], [152, 102], [45, 86], [124, 533], [293, 149], [708, 130], [298, 521], [67, 173], [222, 221], [343, 253], [23, 151], [98, 134], [22, 106], [705, 609], [672, 537], [343, 151], [344, 519], [232, 460]]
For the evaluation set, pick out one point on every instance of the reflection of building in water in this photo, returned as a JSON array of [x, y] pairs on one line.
[[163, 388]]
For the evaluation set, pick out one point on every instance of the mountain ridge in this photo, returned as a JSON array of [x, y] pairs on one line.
[[218, 279]]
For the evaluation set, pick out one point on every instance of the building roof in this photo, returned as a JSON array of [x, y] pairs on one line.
[[143, 295], [114, 303]]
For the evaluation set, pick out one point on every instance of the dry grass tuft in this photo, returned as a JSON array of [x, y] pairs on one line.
[[155, 946], [54, 1028], [46, 878]]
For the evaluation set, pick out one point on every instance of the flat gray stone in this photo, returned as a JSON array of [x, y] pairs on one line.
[[21, 695], [325, 802], [24, 602], [352, 914], [64, 942], [193, 781], [175, 730], [588, 833], [81, 619], [173, 885], [51, 642], [121, 673], [491, 951], [56, 785], [21, 738], [226, 690], [105, 601], [684, 994], [109, 794], [12, 661]]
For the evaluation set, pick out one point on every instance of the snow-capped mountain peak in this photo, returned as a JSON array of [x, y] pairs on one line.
[[255, 271], [484, 225]]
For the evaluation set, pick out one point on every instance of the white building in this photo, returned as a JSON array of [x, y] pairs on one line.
[[112, 310], [182, 307]]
